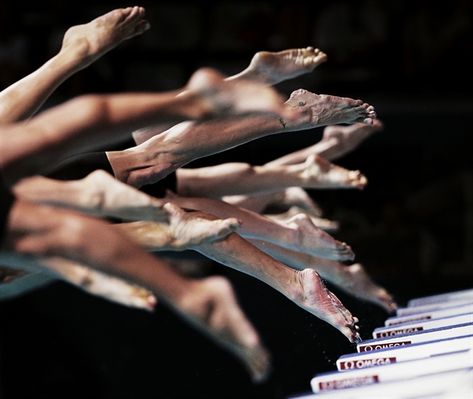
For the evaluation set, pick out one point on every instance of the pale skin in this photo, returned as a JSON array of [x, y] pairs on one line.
[[352, 279], [99, 119], [183, 229], [235, 253], [162, 154], [301, 235], [38, 231], [253, 350], [81, 45], [94, 120], [302, 287], [286, 64], [242, 178], [294, 211], [320, 299], [94, 282], [265, 67], [273, 68], [290, 197], [336, 142], [99, 194]]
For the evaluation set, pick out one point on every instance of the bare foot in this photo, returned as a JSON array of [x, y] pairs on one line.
[[356, 282], [321, 223], [90, 41], [113, 198], [320, 173], [321, 110], [211, 304], [194, 228], [316, 242], [345, 139], [312, 295], [236, 97], [272, 68]]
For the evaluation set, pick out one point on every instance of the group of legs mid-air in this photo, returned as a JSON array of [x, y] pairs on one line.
[[58, 195]]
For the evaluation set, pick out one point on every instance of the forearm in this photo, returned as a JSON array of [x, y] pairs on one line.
[[23, 98]]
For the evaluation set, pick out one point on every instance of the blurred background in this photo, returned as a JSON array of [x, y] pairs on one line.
[[412, 227]]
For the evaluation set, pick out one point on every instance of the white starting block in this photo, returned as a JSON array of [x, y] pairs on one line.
[[432, 307], [416, 338], [448, 385], [409, 328], [437, 314], [404, 353], [442, 298], [426, 351], [392, 372]]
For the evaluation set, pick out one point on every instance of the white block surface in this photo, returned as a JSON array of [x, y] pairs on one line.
[[392, 372], [441, 298], [409, 339], [438, 314], [409, 328], [455, 384], [432, 307], [403, 353]]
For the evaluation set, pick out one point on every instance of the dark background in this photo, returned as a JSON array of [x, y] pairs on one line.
[[412, 227]]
